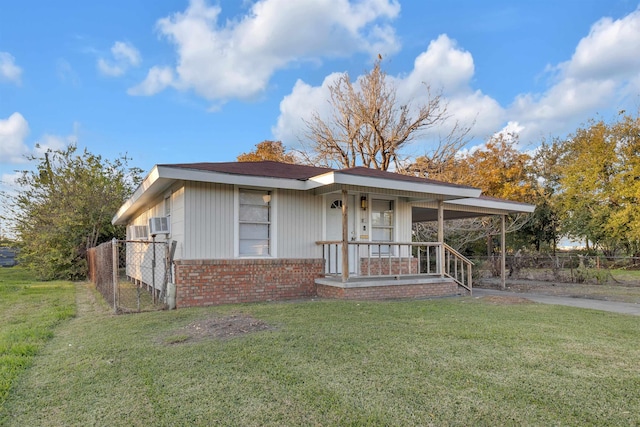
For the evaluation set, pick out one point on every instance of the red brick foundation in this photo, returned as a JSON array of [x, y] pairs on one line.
[[389, 291], [386, 267], [212, 282]]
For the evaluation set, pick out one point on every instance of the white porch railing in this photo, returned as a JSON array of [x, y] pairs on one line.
[[398, 259]]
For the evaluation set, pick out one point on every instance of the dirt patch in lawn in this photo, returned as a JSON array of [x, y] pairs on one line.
[[216, 327], [505, 300]]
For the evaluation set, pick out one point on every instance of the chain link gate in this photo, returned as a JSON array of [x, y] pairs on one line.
[[132, 275]]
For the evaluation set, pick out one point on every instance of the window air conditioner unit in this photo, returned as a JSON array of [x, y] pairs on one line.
[[159, 225], [140, 232]]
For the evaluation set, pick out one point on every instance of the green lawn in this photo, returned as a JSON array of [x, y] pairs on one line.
[[460, 361], [631, 276], [29, 312]]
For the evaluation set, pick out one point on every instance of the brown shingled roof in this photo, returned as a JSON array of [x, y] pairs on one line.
[[264, 168], [375, 173], [271, 169]]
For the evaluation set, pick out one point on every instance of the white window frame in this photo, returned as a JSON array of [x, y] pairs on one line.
[[271, 249]]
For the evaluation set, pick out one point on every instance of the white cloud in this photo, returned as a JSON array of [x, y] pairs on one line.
[[124, 55], [443, 66], [603, 71], [237, 58], [299, 106], [13, 132], [610, 50], [9, 180], [157, 80], [66, 73], [13, 135], [9, 71]]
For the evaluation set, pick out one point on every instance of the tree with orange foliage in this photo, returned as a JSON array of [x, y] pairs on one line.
[[268, 150]]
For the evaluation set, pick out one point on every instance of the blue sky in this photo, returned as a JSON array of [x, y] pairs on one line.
[[171, 81]]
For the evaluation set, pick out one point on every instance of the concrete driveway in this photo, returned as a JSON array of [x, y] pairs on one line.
[[612, 306]]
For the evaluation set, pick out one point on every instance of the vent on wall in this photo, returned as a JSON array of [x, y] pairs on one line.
[[159, 225]]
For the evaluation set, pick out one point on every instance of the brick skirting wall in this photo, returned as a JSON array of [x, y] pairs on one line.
[[212, 282], [382, 266], [388, 292]]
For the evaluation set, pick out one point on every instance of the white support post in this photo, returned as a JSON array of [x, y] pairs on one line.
[[345, 236], [441, 236]]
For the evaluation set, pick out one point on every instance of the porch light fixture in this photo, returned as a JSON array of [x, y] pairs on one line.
[[363, 203]]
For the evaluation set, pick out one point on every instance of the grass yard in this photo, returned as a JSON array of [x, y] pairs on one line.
[[29, 313], [461, 361], [630, 276]]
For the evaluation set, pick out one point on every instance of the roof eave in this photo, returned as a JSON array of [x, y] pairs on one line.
[[504, 206], [444, 190]]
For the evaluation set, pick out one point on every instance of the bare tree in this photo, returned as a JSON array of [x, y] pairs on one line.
[[369, 126]]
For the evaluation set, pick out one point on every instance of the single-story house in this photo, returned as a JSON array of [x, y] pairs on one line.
[[265, 230]]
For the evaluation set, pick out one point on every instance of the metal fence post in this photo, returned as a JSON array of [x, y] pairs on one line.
[[114, 254]]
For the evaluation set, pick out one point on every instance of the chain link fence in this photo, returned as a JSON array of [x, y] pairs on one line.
[[132, 275], [566, 268]]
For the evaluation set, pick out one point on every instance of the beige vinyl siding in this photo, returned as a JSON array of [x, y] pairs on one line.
[[208, 221], [177, 220], [298, 224], [139, 257], [403, 221], [157, 209]]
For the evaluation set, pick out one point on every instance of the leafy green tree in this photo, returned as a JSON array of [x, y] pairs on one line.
[[624, 221], [588, 197], [542, 232], [65, 207]]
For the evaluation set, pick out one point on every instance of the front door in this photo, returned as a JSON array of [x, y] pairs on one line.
[[334, 232]]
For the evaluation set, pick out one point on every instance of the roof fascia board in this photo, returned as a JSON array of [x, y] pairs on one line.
[[429, 188], [499, 205], [147, 183], [227, 178]]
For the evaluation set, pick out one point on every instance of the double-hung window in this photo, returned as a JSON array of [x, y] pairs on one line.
[[382, 224], [254, 222]]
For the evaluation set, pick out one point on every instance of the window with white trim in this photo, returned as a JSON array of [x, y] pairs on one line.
[[382, 224], [254, 217]]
